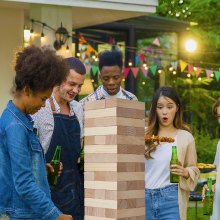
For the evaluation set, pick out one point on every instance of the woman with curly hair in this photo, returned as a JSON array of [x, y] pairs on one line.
[[24, 190], [166, 200]]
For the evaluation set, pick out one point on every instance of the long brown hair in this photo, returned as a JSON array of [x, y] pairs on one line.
[[153, 123]]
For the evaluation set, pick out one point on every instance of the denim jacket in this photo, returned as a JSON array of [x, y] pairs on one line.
[[24, 190]]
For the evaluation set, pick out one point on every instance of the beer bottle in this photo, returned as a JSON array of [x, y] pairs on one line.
[[81, 164], [174, 161], [55, 162], [208, 201]]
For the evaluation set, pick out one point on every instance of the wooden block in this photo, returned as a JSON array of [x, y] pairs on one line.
[[130, 167], [131, 149], [111, 121], [131, 194], [111, 130], [100, 166], [87, 217], [130, 176], [101, 194], [98, 104], [125, 213], [106, 176], [131, 185], [130, 131], [90, 176], [100, 158], [131, 203], [111, 213], [130, 113], [131, 140], [101, 203], [130, 158], [133, 218], [100, 113], [124, 103], [101, 149], [95, 211], [100, 185]]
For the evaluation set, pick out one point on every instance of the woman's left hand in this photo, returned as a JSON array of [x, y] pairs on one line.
[[179, 170]]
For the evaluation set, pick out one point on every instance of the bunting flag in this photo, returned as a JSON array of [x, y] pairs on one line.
[[126, 71], [149, 49], [141, 56], [88, 68], [135, 71], [183, 65], [153, 69], [144, 71], [190, 68], [209, 73], [95, 69], [174, 64], [156, 41], [82, 40], [217, 75], [198, 71]]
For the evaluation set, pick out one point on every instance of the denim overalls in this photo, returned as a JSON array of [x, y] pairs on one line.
[[68, 193]]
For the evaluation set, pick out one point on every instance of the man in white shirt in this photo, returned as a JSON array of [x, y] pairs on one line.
[[60, 122]]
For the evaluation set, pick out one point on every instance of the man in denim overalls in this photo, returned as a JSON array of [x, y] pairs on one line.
[[60, 122]]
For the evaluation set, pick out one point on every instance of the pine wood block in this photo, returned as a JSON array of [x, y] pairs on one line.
[[131, 194], [100, 166], [101, 194], [130, 203], [100, 185], [131, 185], [100, 158], [106, 103], [117, 130], [101, 203], [112, 121], [101, 149], [130, 158], [101, 176], [131, 149], [90, 176], [87, 217], [133, 218], [126, 176], [116, 112], [99, 104], [125, 213], [130, 167]]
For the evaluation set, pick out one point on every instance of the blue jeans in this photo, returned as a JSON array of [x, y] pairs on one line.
[[162, 203]]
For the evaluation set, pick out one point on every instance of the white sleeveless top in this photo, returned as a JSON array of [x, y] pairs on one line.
[[157, 170]]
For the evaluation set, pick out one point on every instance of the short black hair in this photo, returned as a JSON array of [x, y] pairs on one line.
[[39, 68], [110, 58], [75, 64]]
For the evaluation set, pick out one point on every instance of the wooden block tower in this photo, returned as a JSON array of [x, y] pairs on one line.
[[114, 160]]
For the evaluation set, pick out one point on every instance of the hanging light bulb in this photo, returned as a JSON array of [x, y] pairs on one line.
[[130, 63], [174, 72], [199, 78], [67, 49], [78, 54], [27, 35], [188, 75]]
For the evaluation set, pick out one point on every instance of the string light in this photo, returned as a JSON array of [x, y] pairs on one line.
[[174, 72], [199, 78], [188, 75], [78, 54], [130, 63]]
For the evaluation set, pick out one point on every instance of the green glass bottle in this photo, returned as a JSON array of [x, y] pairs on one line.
[[174, 161], [208, 201], [55, 162], [81, 164]]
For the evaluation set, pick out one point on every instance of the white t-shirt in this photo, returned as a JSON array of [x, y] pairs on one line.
[[157, 170]]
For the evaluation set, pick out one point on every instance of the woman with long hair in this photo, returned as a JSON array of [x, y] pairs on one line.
[[166, 200]]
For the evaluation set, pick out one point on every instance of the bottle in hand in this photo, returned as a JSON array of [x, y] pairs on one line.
[[174, 161], [208, 201], [55, 162]]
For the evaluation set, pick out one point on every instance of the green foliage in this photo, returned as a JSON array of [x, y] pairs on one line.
[[205, 145]]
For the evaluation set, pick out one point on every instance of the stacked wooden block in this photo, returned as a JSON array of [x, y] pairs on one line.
[[114, 160]]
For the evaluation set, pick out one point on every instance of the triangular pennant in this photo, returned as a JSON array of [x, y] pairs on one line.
[[190, 68], [141, 56], [82, 40], [95, 69], [135, 71], [88, 68], [153, 69], [174, 64], [198, 71], [217, 75], [156, 41], [209, 73], [145, 71], [136, 60], [149, 49], [183, 65], [126, 71]]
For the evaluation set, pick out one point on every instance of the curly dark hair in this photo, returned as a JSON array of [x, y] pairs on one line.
[[110, 58], [39, 68]]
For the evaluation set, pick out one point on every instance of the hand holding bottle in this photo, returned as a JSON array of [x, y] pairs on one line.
[[204, 189], [50, 168], [179, 170], [65, 217]]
